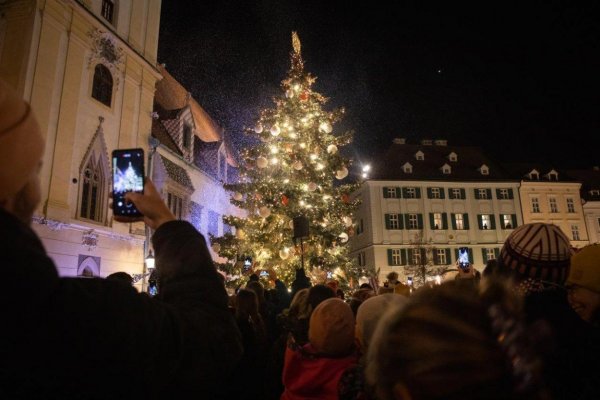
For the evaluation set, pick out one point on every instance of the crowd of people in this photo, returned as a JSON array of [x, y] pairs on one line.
[[527, 328]]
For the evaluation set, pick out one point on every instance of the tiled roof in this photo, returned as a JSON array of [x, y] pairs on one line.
[[206, 156], [521, 171], [466, 168], [160, 133], [177, 173], [590, 180], [171, 95]]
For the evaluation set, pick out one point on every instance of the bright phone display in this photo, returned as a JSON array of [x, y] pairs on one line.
[[463, 257], [128, 176]]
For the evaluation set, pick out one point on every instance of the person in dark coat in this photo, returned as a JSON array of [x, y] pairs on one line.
[[97, 338]]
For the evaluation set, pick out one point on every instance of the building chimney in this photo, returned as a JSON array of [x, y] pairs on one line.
[[441, 142], [399, 141], [426, 142]]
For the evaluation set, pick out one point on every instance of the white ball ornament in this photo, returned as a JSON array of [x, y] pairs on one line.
[[261, 162], [325, 127], [341, 173], [216, 247], [343, 237], [347, 221], [238, 196], [312, 187], [275, 131], [297, 165], [289, 93], [258, 128], [264, 212], [332, 149]]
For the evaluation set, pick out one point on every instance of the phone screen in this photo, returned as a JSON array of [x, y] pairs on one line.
[[247, 264], [463, 257], [152, 288], [264, 273], [128, 176]]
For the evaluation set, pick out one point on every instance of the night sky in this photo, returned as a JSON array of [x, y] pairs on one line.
[[523, 82]]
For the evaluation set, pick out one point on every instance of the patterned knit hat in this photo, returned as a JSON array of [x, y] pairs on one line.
[[538, 251]]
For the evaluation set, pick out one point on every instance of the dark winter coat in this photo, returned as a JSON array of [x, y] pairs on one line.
[[95, 338]]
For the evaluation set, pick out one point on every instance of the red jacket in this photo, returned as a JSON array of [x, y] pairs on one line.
[[308, 376]]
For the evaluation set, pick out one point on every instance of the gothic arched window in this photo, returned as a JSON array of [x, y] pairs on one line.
[[92, 193], [102, 85]]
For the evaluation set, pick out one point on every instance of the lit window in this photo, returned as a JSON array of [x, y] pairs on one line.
[[441, 256], [437, 221], [486, 222], [507, 221], [413, 222], [416, 256], [575, 232], [535, 205], [459, 221], [570, 206], [553, 205], [102, 85]]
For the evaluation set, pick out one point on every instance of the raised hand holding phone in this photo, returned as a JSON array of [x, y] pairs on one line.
[[128, 176]]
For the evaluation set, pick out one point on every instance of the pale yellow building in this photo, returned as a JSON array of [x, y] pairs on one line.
[[88, 68], [548, 195]]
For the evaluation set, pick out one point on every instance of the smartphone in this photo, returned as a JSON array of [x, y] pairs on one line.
[[264, 274], [247, 264], [463, 258], [329, 275], [409, 281], [152, 288], [128, 176]]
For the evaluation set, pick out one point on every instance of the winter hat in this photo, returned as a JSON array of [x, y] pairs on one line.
[[331, 328], [585, 268], [536, 251], [21, 142], [370, 312]]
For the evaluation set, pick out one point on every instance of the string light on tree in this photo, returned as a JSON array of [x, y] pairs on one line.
[[295, 169]]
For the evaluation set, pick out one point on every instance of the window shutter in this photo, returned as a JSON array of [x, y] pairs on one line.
[[418, 192], [400, 221], [385, 193], [442, 193], [489, 193], [476, 193], [493, 221], [390, 259], [483, 255], [399, 192], [471, 255], [406, 221], [450, 195], [409, 255], [431, 221], [387, 221], [510, 194], [456, 254], [513, 218], [448, 257], [435, 258], [429, 193], [497, 196], [444, 221], [479, 221], [453, 221], [463, 194], [496, 252], [420, 221], [466, 220], [423, 255], [403, 256], [404, 192]]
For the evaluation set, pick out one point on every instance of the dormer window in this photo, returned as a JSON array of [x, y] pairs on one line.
[[594, 192], [407, 168], [446, 169], [552, 175], [419, 155], [453, 157], [484, 170], [534, 175]]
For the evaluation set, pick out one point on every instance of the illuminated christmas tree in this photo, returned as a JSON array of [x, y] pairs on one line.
[[295, 170]]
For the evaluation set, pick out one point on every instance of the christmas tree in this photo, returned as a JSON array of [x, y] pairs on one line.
[[295, 170]]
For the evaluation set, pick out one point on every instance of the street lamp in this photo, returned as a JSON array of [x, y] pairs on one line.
[[150, 261]]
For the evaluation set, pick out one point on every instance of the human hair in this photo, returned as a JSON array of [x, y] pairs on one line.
[[246, 303], [392, 276], [454, 342], [257, 288], [299, 306], [317, 294], [121, 277]]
